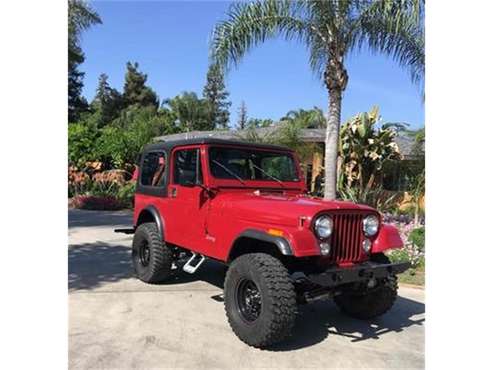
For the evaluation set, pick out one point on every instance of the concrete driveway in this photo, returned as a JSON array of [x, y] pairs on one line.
[[117, 321]]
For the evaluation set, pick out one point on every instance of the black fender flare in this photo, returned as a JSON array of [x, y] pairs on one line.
[[281, 243], [157, 218]]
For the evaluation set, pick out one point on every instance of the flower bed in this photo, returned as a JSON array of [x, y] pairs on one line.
[[92, 202], [414, 246], [106, 190]]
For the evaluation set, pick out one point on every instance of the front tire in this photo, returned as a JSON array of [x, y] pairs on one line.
[[260, 299], [151, 257], [366, 303]]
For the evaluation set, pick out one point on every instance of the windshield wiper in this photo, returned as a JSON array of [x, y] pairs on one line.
[[267, 174], [229, 171]]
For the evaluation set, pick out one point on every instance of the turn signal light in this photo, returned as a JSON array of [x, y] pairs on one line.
[[275, 232]]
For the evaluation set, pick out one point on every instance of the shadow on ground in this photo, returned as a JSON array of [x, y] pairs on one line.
[[91, 265], [84, 218], [318, 321]]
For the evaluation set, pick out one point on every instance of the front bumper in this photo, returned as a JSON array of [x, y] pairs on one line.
[[363, 272]]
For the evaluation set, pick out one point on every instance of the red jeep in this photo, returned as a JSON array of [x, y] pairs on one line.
[[245, 205]]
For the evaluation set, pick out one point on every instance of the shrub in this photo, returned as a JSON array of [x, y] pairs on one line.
[[417, 237], [372, 195], [113, 147], [126, 194], [81, 139], [91, 202], [413, 238], [399, 255], [105, 188]]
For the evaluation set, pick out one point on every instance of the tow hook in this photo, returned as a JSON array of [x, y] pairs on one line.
[[372, 283]]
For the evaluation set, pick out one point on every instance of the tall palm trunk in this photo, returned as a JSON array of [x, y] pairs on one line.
[[332, 143], [336, 79]]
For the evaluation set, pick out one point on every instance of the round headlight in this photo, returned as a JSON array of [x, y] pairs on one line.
[[370, 225], [323, 227]]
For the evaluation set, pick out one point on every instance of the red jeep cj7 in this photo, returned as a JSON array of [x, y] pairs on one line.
[[246, 205]]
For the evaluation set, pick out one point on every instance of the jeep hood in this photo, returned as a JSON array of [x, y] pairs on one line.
[[281, 209]]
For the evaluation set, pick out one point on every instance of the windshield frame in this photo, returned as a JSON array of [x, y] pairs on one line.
[[256, 183]]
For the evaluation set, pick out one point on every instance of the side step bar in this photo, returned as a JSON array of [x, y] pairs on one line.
[[125, 231], [190, 267]]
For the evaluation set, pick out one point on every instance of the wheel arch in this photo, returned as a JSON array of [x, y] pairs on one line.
[[256, 241], [151, 214]]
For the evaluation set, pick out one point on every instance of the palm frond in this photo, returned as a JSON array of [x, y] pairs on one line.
[[319, 56], [81, 16], [328, 28], [394, 28], [252, 23]]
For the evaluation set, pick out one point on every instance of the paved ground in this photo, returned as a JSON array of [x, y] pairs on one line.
[[116, 321]]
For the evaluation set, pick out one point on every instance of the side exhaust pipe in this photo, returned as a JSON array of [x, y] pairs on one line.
[[317, 296]]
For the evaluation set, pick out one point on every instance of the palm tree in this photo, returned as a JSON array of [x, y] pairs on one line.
[[80, 17], [330, 30], [313, 118], [191, 112]]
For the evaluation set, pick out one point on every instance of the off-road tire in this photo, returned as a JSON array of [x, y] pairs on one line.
[[278, 299], [367, 304], [158, 267]]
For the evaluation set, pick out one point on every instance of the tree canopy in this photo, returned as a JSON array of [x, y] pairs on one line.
[[190, 112], [313, 118]]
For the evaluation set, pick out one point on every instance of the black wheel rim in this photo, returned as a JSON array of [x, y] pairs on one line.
[[248, 300], [144, 254]]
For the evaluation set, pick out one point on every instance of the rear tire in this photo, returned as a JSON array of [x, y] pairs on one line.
[[260, 299], [151, 257], [366, 304]]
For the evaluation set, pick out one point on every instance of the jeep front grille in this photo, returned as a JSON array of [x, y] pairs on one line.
[[347, 237]]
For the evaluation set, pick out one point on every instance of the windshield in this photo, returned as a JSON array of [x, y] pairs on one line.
[[252, 164]]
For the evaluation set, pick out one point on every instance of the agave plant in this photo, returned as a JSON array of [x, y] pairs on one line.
[[372, 195], [363, 149]]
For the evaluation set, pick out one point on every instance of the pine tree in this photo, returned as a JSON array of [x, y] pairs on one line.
[[216, 95], [242, 116], [76, 102], [135, 91], [80, 17], [107, 102]]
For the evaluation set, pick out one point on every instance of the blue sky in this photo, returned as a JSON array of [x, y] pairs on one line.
[[169, 40]]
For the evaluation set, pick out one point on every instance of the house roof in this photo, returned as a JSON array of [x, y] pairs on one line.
[[313, 135]]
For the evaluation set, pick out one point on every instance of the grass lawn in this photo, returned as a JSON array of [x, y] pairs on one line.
[[413, 276]]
